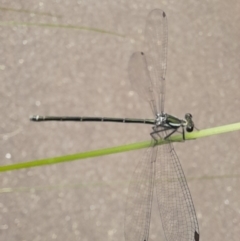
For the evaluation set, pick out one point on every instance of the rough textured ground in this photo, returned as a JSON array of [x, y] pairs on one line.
[[66, 71]]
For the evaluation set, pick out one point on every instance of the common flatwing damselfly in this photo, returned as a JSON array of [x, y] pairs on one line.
[[160, 166]]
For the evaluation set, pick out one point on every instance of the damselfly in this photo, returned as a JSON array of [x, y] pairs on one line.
[[160, 166]]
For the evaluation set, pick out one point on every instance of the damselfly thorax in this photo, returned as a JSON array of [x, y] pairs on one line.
[[165, 122]]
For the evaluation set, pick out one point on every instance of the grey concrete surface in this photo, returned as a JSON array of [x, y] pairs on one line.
[[66, 71]]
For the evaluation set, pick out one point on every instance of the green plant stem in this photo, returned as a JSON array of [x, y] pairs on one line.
[[118, 149], [51, 25]]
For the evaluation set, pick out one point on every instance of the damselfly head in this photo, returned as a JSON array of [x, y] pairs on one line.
[[190, 123]]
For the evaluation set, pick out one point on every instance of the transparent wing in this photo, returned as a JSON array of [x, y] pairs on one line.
[[174, 199], [156, 54], [139, 201], [140, 79]]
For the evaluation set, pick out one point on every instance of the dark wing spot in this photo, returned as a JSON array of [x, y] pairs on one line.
[[142, 53], [164, 14], [196, 236]]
